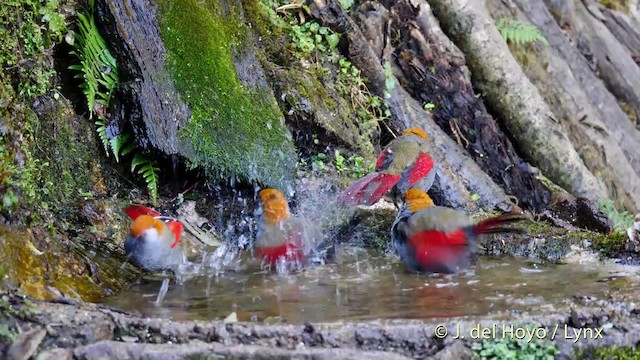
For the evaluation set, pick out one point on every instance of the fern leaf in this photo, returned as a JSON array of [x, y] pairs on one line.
[[102, 134], [519, 33], [149, 173], [117, 143], [137, 161]]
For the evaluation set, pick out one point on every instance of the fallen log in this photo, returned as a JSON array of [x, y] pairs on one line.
[[459, 177], [432, 69], [561, 87], [508, 91]]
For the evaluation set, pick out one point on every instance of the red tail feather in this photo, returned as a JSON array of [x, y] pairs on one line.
[[494, 224], [176, 229], [369, 189], [136, 210]]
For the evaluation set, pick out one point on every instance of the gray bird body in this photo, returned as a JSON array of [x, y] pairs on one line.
[[151, 251]]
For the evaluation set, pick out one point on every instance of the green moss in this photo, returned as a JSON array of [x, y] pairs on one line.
[[617, 5], [235, 129], [609, 353]]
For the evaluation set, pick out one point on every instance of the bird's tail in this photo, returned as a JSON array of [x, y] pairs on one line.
[[497, 224], [369, 189], [136, 210]]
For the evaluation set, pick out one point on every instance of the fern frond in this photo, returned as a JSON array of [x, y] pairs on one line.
[[149, 172], [519, 33], [97, 66], [117, 143], [102, 134]]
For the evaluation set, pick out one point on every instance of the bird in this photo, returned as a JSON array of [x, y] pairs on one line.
[[403, 164], [153, 244], [282, 237], [438, 239]]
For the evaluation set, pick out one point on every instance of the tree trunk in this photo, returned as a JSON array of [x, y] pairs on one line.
[[432, 69], [612, 62], [562, 90], [458, 175], [501, 81]]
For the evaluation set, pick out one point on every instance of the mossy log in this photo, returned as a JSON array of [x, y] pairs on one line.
[[501, 81], [432, 69], [193, 86], [561, 85], [584, 25], [459, 177]]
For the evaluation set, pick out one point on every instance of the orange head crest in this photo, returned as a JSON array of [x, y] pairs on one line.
[[415, 131], [417, 200], [145, 222], [275, 206]]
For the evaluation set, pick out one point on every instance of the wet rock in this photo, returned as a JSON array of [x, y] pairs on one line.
[[220, 115], [370, 226], [571, 213], [55, 354], [455, 351], [397, 339], [26, 345]]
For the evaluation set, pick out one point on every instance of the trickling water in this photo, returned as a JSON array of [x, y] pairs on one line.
[[364, 285]]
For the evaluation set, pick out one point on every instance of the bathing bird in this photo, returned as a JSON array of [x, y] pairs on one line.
[[438, 239], [282, 237], [403, 164], [153, 244]]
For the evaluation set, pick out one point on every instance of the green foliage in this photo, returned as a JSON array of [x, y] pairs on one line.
[[346, 4], [97, 66], [519, 33], [99, 71], [429, 106], [354, 166], [514, 348], [316, 48], [29, 29], [609, 353], [236, 130], [311, 37], [149, 172], [622, 220], [8, 333], [617, 5]]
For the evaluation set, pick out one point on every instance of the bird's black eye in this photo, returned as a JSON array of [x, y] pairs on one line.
[[272, 197]]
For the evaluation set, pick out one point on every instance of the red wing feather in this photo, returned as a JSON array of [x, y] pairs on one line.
[[176, 229], [384, 160], [136, 210], [369, 189], [436, 247], [420, 168]]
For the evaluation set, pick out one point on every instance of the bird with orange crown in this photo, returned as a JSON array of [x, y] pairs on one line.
[[284, 238], [153, 243], [403, 164], [438, 239]]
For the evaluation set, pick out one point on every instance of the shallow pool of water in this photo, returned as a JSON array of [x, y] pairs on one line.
[[364, 286]]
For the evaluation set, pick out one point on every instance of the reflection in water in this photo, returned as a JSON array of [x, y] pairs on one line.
[[363, 286]]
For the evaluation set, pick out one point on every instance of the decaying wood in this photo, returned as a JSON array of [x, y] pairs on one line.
[[432, 70], [458, 175], [572, 106], [500, 80], [584, 24]]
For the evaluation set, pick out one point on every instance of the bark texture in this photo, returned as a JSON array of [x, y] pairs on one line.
[[501, 81]]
